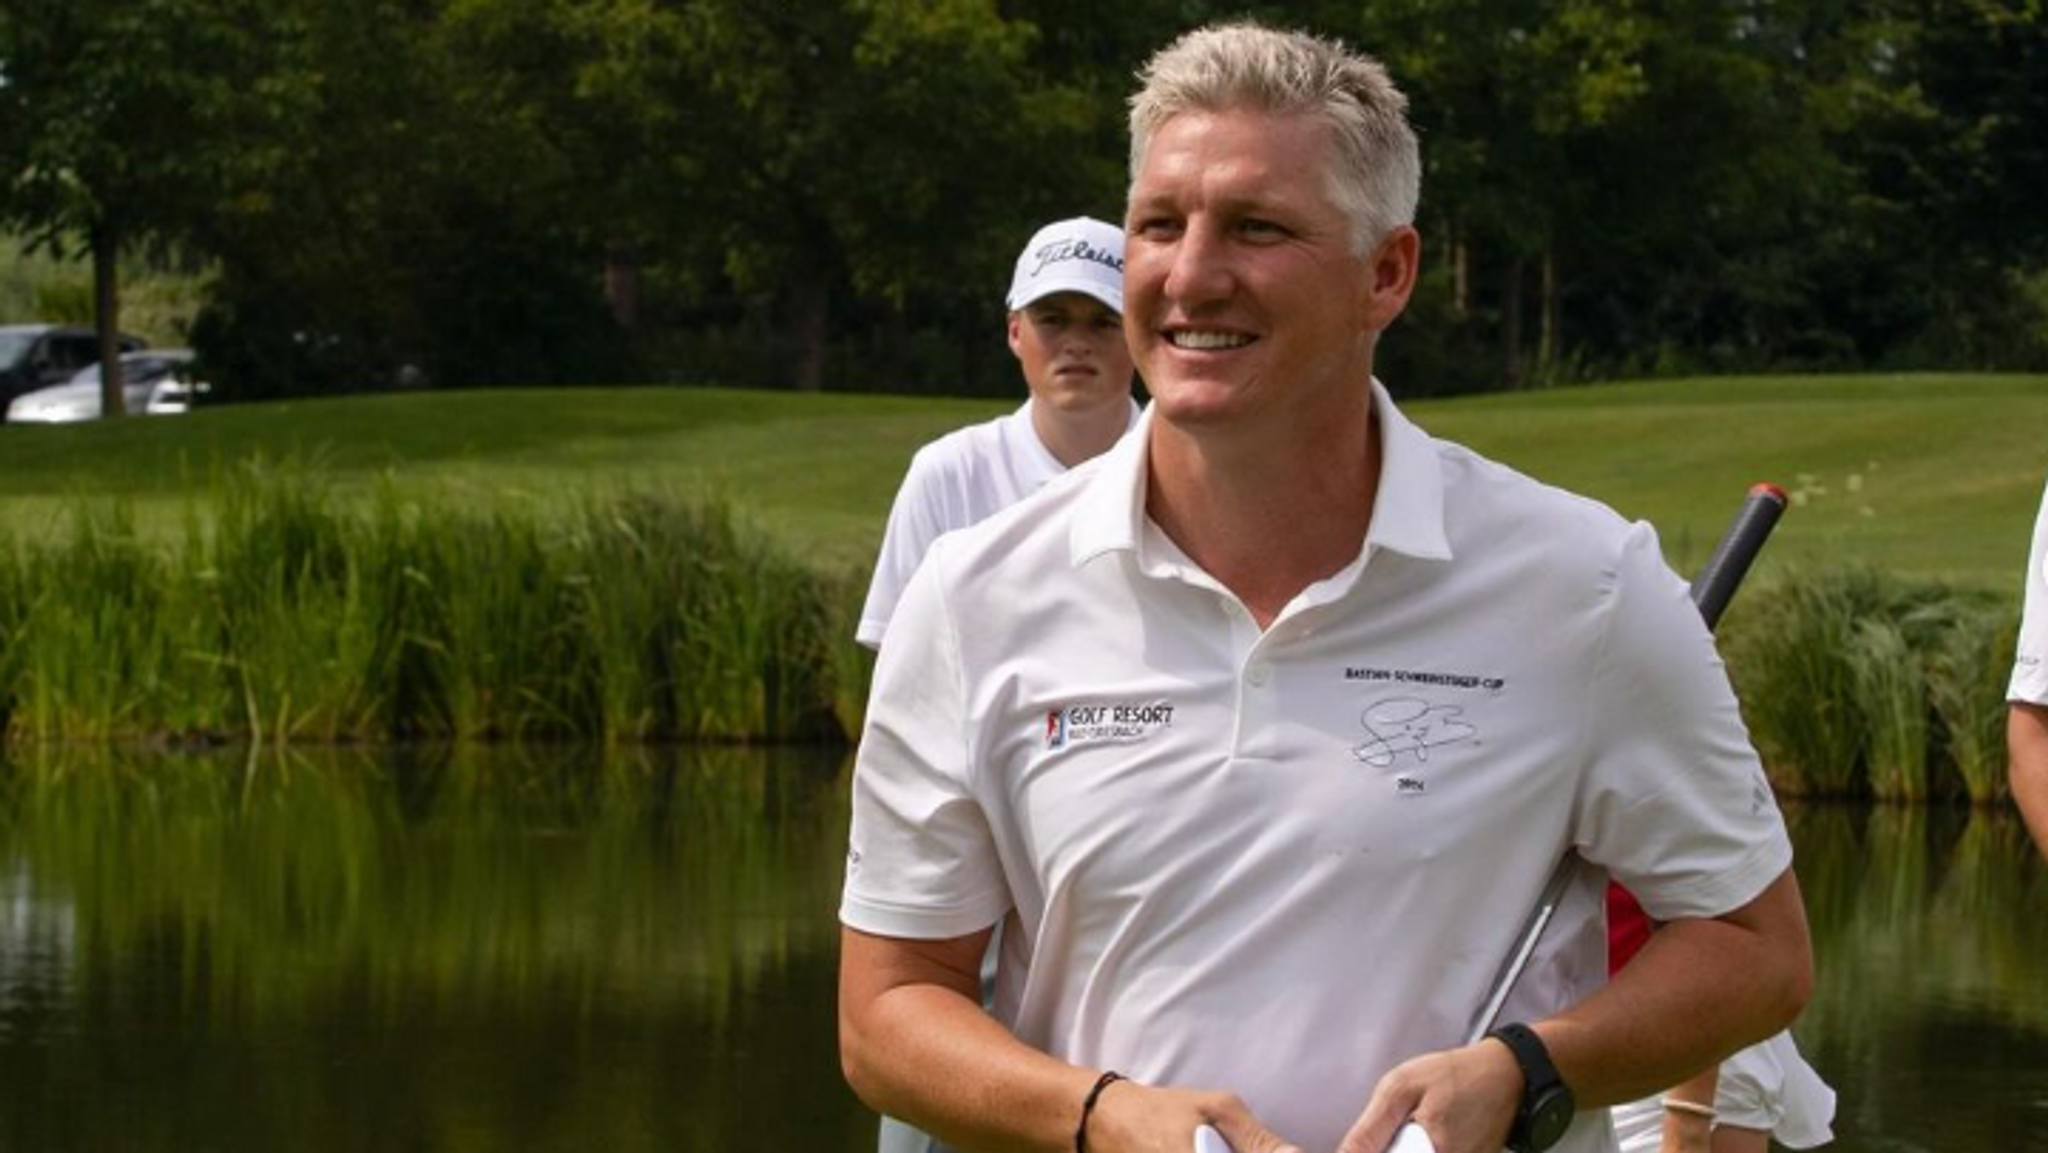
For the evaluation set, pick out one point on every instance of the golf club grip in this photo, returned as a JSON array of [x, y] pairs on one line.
[[1716, 584]]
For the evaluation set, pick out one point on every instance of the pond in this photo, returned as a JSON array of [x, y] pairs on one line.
[[579, 950]]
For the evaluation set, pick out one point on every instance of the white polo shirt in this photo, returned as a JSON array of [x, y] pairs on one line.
[[2030, 664], [960, 479], [1282, 863]]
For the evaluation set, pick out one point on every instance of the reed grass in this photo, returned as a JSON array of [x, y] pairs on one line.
[[281, 615], [275, 612], [1790, 661], [1967, 676], [1857, 683]]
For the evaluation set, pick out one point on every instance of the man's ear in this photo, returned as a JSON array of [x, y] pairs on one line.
[[1016, 328], [1395, 264]]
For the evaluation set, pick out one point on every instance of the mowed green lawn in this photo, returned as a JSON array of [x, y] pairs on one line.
[[1932, 475]]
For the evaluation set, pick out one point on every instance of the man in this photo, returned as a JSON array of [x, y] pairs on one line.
[[1066, 305], [2026, 726], [1262, 733]]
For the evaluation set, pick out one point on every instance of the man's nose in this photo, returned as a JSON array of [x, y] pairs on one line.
[[1200, 271]]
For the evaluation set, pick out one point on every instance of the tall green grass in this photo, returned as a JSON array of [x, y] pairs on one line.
[[1856, 683], [283, 615], [279, 613]]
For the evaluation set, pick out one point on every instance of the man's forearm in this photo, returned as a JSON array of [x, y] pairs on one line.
[[930, 1055], [1700, 990], [953, 1071], [2026, 738]]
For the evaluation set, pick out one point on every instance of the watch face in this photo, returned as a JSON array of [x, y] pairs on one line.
[[1549, 1116]]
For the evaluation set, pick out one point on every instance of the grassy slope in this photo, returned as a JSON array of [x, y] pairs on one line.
[[1934, 475]]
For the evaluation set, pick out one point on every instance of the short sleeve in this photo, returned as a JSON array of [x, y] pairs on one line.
[[915, 522], [2030, 663], [1676, 805], [1770, 1087], [921, 861]]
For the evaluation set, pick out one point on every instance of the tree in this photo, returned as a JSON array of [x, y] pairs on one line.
[[130, 122]]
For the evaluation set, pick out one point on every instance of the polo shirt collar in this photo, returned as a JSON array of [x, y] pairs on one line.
[[1407, 515]]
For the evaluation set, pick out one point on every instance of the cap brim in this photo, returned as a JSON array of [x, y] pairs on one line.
[[1113, 297]]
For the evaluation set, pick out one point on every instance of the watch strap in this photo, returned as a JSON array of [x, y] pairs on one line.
[[1540, 1081]]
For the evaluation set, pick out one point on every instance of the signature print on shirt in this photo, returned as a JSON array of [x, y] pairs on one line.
[[1408, 726]]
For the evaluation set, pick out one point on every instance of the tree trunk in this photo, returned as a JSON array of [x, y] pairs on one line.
[[897, 331], [1461, 277], [1511, 326], [813, 315], [1547, 337], [106, 291], [622, 284]]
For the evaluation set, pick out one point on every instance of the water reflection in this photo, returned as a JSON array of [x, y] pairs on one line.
[[353, 951], [584, 950], [1931, 1014]]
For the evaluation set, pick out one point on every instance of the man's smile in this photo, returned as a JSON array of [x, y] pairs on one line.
[[1205, 340]]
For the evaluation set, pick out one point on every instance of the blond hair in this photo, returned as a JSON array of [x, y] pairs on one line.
[[1377, 177]]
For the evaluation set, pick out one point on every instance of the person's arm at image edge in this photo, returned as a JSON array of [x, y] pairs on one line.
[[2026, 736], [1688, 1120]]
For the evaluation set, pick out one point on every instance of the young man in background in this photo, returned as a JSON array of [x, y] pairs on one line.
[[1066, 305]]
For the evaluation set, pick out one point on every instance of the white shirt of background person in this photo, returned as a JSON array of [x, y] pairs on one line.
[[1066, 303]]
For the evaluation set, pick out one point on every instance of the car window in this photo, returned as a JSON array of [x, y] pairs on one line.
[[13, 346], [73, 351]]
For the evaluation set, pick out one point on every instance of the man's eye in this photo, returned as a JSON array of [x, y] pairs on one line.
[[1157, 227], [1253, 226]]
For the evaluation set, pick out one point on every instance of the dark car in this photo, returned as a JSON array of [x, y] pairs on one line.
[[34, 356]]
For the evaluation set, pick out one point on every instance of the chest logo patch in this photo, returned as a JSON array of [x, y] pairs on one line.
[[1112, 723], [1405, 726]]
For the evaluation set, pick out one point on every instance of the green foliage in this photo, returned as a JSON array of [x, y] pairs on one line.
[[639, 617], [831, 192], [158, 299], [1967, 675], [1857, 683], [1892, 693]]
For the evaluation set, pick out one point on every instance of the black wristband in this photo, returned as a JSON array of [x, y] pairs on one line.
[[1088, 1107]]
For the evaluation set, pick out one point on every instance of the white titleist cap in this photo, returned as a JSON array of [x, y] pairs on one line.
[[1078, 255]]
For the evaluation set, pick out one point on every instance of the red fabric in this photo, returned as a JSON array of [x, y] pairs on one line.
[[1628, 927]]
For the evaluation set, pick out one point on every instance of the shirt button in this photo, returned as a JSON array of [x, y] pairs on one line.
[[1257, 674]]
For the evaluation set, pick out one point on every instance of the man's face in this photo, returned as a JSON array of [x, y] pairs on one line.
[[1241, 292], [1071, 348]]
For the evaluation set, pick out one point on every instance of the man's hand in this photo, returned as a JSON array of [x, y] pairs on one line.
[[1134, 1118], [1465, 1099]]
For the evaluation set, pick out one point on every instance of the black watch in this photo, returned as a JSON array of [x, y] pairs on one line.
[[1547, 1103]]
